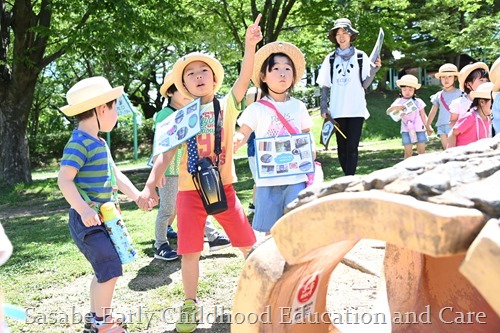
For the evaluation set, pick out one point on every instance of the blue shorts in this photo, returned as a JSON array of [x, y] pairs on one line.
[[270, 203], [96, 246], [443, 129], [421, 138]]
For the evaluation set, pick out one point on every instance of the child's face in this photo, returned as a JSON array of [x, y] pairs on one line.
[[447, 81], [178, 100], [474, 84], [343, 38], [485, 105], [199, 79], [407, 91], [280, 78], [108, 118]]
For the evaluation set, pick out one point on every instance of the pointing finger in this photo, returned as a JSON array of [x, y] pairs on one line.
[[257, 20]]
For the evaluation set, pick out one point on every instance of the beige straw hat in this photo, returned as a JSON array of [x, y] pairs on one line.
[[181, 64], [88, 94], [483, 90], [289, 49], [446, 70], [408, 80], [495, 75], [168, 81], [466, 70]]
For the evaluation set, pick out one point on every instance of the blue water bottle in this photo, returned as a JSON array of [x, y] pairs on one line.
[[118, 232]]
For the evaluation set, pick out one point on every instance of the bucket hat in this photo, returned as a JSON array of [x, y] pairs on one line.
[[495, 75], [289, 49], [88, 94], [483, 91], [408, 80], [466, 70], [180, 65], [345, 24], [447, 69], [168, 81]]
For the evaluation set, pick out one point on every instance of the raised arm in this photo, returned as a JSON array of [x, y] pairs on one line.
[[252, 37]]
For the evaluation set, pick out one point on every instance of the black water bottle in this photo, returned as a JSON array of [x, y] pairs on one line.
[[209, 185]]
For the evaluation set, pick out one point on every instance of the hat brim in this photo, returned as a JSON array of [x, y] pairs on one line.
[[408, 83], [441, 74], [181, 64], [495, 74], [289, 49], [89, 104], [167, 83]]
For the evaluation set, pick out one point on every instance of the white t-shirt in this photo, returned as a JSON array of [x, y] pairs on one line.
[[460, 105], [347, 96], [265, 123]]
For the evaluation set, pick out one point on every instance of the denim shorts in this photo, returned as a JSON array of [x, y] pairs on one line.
[[421, 138], [443, 129], [96, 246], [270, 203]]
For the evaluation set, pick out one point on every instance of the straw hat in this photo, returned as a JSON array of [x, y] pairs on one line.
[[446, 70], [483, 91], [495, 75], [168, 81], [466, 70], [408, 80], [345, 24], [88, 94], [181, 64], [289, 49]]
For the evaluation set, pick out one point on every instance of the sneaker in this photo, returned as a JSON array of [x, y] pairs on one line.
[[219, 243], [171, 234], [165, 252], [251, 208], [110, 325], [188, 320]]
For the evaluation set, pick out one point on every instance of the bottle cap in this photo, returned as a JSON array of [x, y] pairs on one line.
[[109, 211]]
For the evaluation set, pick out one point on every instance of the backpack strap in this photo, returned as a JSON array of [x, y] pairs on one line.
[[359, 56]]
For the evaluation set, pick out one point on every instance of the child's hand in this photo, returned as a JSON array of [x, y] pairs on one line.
[[238, 141], [429, 130], [90, 217], [162, 182], [147, 198], [253, 34]]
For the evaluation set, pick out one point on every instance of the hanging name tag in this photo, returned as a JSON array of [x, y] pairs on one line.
[[284, 155]]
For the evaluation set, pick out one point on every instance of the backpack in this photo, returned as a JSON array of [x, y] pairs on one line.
[[359, 56]]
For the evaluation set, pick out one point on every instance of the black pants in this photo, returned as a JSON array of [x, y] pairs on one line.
[[348, 148]]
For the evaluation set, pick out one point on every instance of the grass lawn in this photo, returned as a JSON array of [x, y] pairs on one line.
[[46, 264]]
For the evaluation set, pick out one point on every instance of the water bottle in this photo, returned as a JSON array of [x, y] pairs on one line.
[[118, 232]]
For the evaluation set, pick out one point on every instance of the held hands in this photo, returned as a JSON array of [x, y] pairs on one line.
[[147, 199], [253, 34], [429, 130]]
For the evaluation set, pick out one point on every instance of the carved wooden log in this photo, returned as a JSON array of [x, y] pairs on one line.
[[429, 209]]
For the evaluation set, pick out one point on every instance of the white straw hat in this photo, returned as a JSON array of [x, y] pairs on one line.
[[408, 80], [495, 75], [289, 49], [168, 81], [88, 94], [447, 69], [181, 64], [483, 90]]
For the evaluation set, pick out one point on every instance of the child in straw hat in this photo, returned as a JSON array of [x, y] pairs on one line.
[[469, 78], [476, 124], [413, 117], [87, 165], [343, 78], [495, 78], [199, 75], [447, 75], [279, 66], [168, 193]]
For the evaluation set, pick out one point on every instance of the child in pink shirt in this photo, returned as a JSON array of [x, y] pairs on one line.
[[476, 124]]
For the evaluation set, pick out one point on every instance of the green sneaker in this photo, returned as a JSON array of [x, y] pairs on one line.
[[188, 320]]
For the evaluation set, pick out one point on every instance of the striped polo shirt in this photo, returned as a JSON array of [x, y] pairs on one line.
[[89, 156]]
